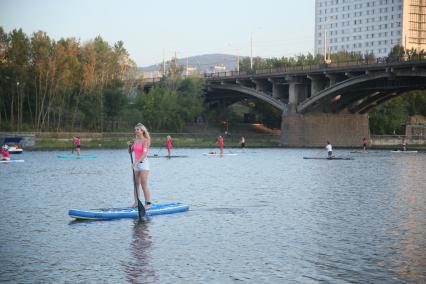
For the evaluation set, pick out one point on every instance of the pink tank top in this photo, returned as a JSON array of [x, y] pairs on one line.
[[5, 153], [138, 148], [169, 144]]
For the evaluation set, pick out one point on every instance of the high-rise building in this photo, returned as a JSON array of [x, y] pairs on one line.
[[369, 26]]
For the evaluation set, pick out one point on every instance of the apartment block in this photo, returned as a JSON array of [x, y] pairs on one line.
[[369, 26]]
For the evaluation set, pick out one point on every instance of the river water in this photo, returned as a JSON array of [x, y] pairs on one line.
[[262, 216]]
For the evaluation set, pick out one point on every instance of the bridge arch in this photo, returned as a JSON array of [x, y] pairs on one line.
[[244, 92], [361, 93]]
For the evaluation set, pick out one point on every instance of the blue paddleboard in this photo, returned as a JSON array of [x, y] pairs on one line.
[[126, 212], [75, 156]]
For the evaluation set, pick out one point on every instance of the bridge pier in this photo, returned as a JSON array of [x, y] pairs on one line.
[[298, 91], [314, 130], [317, 84]]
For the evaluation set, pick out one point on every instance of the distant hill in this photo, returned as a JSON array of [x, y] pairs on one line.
[[203, 63]]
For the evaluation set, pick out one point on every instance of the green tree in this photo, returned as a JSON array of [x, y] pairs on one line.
[[114, 102], [190, 98], [388, 117]]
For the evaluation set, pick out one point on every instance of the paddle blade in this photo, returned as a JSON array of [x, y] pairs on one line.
[[141, 209]]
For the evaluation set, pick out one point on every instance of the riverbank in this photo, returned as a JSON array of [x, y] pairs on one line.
[[64, 141], [181, 140]]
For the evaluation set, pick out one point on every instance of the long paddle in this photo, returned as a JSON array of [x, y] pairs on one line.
[[141, 208]]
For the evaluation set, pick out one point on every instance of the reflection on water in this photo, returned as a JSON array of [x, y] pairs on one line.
[[409, 259], [138, 268]]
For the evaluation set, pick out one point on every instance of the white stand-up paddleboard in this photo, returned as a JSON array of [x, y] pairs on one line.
[[12, 161], [218, 154]]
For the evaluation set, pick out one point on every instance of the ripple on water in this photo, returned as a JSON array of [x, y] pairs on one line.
[[264, 216]]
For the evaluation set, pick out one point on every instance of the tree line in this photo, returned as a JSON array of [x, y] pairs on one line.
[[67, 85]]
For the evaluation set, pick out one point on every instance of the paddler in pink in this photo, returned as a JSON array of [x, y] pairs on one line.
[[77, 144], [5, 155], [221, 143], [169, 145], [140, 165]]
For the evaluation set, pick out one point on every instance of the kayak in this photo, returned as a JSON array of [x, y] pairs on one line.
[[399, 151], [12, 161], [218, 154], [322, 158], [75, 156], [172, 156], [126, 212]]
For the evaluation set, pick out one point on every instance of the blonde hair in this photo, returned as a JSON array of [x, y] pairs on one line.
[[145, 132]]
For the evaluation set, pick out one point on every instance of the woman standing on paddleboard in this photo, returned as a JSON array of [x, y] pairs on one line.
[[5, 156], [77, 143], [141, 165], [221, 143], [169, 145]]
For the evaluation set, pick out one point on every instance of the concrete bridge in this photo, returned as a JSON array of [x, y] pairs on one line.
[[321, 102]]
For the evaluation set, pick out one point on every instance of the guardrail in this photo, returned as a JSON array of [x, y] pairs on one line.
[[379, 62]]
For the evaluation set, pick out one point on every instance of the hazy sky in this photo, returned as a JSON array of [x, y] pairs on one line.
[[189, 27]]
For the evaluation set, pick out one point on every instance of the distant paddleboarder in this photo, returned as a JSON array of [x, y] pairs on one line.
[[169, 145], [140, 164], [5, 155], [364, 143], [329, 150], [403, 145], [221, 143], [243, 142], [77, 143]]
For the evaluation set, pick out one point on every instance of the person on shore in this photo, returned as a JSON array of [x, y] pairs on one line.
[[77, 144], [364, 144], [243, 142], [221, 143], [169, 146], [329, 150], [403, 145], [5, 155], [140, 166]]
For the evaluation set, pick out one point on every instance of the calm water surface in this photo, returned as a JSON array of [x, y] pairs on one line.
[[264, 216]]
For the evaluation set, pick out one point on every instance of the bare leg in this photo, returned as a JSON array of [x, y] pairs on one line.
[[144, 183], [136, 193]]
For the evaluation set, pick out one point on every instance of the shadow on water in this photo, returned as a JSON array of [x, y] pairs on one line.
[[138, 268]]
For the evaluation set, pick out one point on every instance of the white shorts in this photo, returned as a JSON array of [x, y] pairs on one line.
[[142, 166]]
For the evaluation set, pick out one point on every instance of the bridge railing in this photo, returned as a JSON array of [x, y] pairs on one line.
[[314, 67]]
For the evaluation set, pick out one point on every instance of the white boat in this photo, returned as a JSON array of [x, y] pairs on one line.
[[13, 143], [400, 151], [15, 150]]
